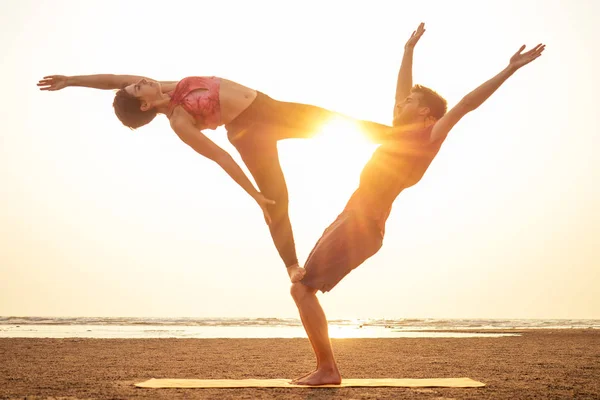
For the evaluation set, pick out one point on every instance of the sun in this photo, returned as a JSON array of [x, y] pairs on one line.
[[323, 172], [346, 147], [343, 137]]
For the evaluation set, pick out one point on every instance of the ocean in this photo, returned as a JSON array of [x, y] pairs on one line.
[[141, 328]]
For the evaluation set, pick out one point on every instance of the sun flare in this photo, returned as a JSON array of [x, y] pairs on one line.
[[346, 148], [343, 134], [324, 171]]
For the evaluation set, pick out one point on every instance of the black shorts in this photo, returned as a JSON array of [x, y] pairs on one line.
[[349, 241]]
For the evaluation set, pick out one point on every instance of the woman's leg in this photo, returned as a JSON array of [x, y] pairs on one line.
[[296, 120], [262, 159]]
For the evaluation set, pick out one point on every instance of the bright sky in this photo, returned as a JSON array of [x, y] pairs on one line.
[[96, 220]]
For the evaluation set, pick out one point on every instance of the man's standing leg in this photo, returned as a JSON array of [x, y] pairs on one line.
[[315, 324], [345, 244]]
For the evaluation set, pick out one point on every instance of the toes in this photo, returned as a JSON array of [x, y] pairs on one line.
[[295, 381]]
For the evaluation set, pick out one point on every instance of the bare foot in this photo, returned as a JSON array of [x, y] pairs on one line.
[[321, 377], [296, 273], [293, 381]]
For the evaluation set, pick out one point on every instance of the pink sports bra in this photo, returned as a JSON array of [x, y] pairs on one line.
[[202, 104]]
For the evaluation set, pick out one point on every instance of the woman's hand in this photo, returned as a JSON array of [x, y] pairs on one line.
[[263, 202], [53, 82]]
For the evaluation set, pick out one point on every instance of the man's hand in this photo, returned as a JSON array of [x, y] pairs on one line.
[[478, 96], [404, 83], [520, 59], [53, 82], [414, 38], [263, 202]]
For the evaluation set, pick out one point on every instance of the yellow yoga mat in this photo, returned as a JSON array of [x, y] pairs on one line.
[[284, 383]]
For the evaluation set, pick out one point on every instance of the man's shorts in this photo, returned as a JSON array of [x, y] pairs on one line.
[[350, 240]]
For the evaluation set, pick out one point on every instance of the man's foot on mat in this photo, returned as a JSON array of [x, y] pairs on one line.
[[296, 273], [321, 377], [293, 381]]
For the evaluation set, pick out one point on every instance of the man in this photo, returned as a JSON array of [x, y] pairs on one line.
[[421, 125]]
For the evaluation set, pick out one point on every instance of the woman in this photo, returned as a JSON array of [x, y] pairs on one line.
[[254, 123]]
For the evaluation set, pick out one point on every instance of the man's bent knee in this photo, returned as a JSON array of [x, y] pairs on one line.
[[299, 291]]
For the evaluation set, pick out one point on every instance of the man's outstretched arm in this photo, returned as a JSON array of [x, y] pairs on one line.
[[404, 83], [476, 98], [98, 81]]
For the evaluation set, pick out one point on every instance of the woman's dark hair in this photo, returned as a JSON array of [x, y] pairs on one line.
[[127, 109]]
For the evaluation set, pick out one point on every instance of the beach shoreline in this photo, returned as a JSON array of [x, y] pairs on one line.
[[558, 363]]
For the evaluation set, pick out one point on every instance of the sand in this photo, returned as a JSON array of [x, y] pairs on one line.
[[542, 364]]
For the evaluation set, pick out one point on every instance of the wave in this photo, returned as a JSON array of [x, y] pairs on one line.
[[401, 323]]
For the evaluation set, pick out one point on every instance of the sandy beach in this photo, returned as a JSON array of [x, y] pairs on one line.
[[544, 364]]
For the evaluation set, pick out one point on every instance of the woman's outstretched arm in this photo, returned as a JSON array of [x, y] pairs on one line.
[[99, 81]]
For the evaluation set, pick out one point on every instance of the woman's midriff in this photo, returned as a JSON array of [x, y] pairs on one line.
[[234, 98]]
